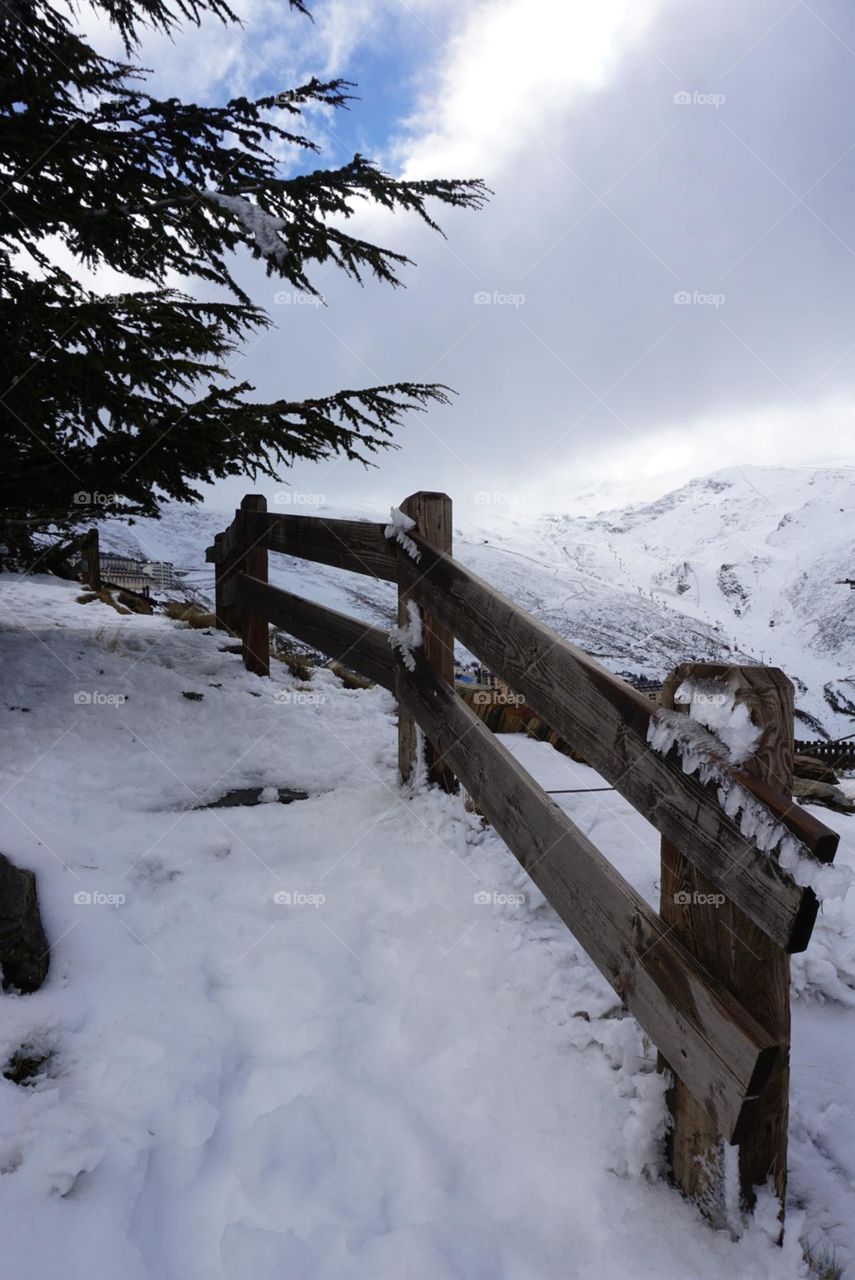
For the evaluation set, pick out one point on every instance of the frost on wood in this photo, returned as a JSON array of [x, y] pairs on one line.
[[398, 528], [263, 228], [406, 639], [715, 707], [701, 754]]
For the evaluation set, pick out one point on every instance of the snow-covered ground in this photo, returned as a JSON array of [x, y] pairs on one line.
[[341, 1038]]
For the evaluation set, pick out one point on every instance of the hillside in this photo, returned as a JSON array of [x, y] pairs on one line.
[[293, 1039], [742, 565]]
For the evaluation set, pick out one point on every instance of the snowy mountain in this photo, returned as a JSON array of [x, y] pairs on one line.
[[742, 565]]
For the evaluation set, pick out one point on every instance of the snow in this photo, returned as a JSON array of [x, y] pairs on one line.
[[715, 707], [375, 1075], [398, 528], [408, 638], [701, 753], [264, 229]]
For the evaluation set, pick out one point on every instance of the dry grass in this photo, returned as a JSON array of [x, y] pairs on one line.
[[105, 596], [823, 1263], [136, 604], [349, 679], [182, 611], [299, 663]]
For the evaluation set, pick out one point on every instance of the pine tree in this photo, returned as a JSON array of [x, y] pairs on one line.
[[128, 398]]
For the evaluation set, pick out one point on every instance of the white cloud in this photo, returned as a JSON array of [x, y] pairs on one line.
[[510, 69]]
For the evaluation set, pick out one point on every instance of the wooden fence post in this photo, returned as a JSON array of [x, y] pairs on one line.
[[432, 515], [219, 571], [753, 968], [92, 552], [252, 560]]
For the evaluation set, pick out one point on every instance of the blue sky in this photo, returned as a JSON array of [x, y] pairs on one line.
[[669, 256]]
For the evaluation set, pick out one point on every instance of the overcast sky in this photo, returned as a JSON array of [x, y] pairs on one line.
[[664, 281]]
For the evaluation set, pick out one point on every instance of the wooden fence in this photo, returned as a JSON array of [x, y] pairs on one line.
[[707, 976], [840, 754]]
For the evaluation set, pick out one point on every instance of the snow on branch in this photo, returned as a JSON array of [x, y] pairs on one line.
[[399, 528], [700, 753], [406, 639], [262, 228]]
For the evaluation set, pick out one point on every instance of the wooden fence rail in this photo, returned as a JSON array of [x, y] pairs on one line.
[[720, 1022], [837, 754]]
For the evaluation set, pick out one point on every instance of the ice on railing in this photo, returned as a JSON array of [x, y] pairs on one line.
[[406, 639], [704, 755], [716, 708], [398, 528]]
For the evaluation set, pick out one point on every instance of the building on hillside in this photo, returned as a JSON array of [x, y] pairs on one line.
[[141, 576], [162, 573]]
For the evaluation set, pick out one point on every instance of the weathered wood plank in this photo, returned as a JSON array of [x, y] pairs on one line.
[[360, 546], [218, 562], [433, 520], [740, 955], [720, 1052], [229, 566], [255, 634], [364, 648], [607, 721], [92, 559]]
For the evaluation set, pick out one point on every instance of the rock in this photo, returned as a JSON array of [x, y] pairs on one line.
[[24, 950], [254, 795], [811, 767], [809, 791]]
